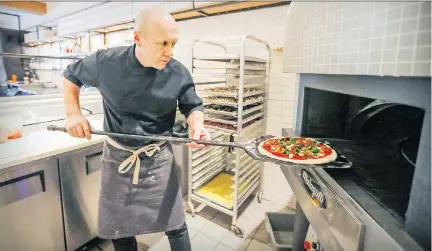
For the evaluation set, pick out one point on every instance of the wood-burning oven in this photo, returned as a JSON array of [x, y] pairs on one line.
[[382, 125]]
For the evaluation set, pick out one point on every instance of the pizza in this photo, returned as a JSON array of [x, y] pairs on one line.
[[300, 150]]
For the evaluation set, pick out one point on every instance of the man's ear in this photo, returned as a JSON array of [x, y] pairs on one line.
[[137, 39]]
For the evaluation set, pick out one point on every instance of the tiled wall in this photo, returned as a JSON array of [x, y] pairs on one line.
[[282, 97], [362, 38]]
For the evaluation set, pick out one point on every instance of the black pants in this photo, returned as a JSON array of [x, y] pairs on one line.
[[178, 239]]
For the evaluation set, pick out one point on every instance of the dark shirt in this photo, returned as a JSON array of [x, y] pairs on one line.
[[136, 99]]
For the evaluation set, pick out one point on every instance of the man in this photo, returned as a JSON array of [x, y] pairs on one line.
[[141, 86]]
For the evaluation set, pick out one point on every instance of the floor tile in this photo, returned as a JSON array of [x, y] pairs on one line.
[[192, 232], [161, 245], [149, 239], [202, 242], [215, 231], [208, 213], [262, 235], [287, 210], [255, 245], [270, 206], [249, 226], [236, 243], [196, 222], [222, 247], [222, 219], [292, 202]]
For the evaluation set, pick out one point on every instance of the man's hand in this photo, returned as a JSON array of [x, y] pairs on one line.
[[197, 130], [78, 126]]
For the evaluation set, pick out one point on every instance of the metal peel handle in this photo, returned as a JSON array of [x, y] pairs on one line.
[[56, 128]]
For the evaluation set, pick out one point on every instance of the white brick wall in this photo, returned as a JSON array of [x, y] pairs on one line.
[[371, 38], [267, 24], [282, 98]]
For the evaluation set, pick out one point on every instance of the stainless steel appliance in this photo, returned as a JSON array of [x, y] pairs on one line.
[[382, 125], [79, 178], [30, 207]]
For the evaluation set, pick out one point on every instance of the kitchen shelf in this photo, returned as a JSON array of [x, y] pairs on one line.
[[233, 122], [207, 157], [219, 81], [246, 111], [202, 169], [233, 130], [230, 94], [230, 58], [225, 103], [25, 56], [201, 65]]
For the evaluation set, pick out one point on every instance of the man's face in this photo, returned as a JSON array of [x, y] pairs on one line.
[[156, 44]]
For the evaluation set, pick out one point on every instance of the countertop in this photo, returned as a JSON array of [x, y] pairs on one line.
[[34, 145]]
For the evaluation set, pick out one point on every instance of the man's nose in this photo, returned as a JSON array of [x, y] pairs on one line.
[[169, 51]]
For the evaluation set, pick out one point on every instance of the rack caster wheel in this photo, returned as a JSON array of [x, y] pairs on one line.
[[237, 231], [259, 197], [191, 209]]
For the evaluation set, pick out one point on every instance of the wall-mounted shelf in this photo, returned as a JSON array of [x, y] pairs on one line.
[[15, 55]]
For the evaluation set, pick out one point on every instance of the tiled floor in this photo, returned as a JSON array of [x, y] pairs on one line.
[[209, 230]]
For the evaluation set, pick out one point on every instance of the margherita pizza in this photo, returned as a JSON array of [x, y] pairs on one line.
[[298, 150]]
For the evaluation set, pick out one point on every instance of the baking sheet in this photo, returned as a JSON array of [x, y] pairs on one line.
[[219, 190]]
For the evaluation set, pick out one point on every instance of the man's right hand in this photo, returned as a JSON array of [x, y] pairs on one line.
[[78, 126]]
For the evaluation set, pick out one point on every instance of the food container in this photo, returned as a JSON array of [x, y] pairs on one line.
[[12, 126]]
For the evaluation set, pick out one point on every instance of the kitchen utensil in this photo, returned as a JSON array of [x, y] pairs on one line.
[[250, 147]]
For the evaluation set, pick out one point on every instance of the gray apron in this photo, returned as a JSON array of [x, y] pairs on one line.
[[153, 204]]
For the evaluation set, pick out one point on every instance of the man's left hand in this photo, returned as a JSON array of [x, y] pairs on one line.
[[197, 130]]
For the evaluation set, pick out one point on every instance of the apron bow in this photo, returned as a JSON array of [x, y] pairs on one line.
[[127, 164]]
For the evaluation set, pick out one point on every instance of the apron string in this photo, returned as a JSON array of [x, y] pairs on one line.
[[127, 164]]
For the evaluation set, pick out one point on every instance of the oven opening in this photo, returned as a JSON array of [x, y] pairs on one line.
[[379, 137]]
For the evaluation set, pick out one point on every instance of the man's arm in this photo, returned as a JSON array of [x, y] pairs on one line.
[[83, 72], [191, 106]]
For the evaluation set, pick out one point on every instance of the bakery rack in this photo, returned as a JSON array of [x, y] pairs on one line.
[[233, 86]]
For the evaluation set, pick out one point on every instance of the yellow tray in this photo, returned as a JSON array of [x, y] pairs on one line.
[[219, 190]]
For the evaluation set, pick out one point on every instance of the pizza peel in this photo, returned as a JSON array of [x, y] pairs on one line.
[[250, 147]]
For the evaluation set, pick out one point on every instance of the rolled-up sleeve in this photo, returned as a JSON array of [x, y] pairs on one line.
[[84, 71], [189, 101]]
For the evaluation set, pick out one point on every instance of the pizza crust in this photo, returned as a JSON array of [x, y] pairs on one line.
[[329, 158]]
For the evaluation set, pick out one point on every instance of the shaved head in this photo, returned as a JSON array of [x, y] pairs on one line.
[[150, 17], [155, 34]]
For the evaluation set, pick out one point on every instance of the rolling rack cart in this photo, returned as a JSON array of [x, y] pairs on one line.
[[233, 87]]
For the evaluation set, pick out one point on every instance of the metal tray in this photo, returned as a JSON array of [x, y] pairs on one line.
[[219, 129], [231, 94], [235, 114], [203, 64], [229, 58], [251, 102]]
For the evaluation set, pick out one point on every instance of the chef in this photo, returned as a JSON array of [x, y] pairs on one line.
[[141, 86]]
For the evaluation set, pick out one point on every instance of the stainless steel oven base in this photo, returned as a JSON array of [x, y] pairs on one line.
[[373, 238]]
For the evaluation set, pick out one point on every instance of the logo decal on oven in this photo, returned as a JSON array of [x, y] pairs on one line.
[[314, 189]]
